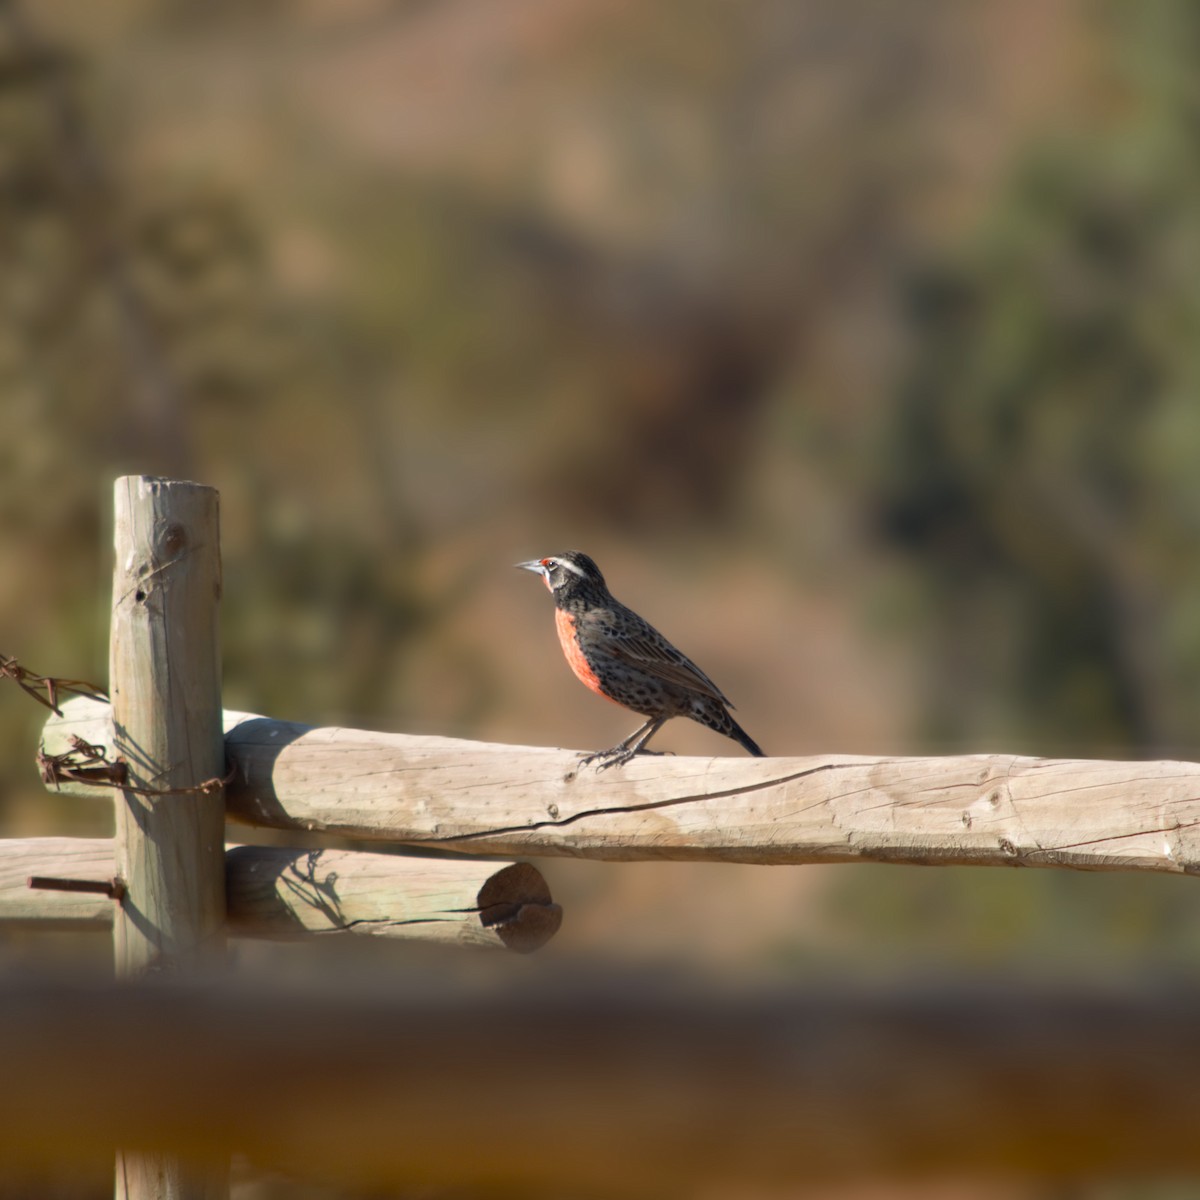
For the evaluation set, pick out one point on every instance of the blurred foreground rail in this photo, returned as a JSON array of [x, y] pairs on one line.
[[602, 1087]]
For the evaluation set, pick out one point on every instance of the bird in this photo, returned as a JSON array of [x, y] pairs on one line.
[[623, 658]]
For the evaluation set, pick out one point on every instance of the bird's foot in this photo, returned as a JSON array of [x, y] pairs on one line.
[[618, 756]]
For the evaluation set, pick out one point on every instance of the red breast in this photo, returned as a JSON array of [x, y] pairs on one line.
[[564, 622]]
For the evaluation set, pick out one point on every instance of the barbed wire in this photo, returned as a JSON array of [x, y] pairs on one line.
[[85, 762], [89, 764], [30, 681]]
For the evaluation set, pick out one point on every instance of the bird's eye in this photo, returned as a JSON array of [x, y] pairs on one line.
[[549, 564]]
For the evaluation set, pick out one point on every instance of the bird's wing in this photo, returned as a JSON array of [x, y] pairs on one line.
[[647, 650]]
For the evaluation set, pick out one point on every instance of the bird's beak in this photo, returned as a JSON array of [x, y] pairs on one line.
[[537, 567]]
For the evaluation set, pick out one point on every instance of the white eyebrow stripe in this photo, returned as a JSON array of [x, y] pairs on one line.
[[565, 562]]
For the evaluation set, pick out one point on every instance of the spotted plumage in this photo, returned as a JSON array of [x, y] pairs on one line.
[[626, 660]]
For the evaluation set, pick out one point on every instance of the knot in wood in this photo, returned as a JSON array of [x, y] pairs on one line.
[[173, 539]]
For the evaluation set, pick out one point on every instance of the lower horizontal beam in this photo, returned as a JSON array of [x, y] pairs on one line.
[[69, 858], [604, 1090], [277, 892]]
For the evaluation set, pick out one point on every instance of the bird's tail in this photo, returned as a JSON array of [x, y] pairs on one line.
[[740, 736], [716, 716]]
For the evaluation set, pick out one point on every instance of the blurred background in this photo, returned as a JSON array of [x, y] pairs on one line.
[[856, 341]]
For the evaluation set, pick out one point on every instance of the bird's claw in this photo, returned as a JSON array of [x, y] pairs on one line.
[[618, 756], [604, 759]]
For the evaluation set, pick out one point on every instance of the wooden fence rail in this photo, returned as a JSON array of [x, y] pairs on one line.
[[279, 892], [984, 810]]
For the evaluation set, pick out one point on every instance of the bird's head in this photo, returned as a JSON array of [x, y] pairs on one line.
[[568, 573]]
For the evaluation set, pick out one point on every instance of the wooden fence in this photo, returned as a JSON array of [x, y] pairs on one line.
[[632, 1095]]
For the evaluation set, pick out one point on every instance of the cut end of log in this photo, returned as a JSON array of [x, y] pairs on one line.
[[515, 904]]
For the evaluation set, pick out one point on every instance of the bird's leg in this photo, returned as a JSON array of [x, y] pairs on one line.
[[622, 752]]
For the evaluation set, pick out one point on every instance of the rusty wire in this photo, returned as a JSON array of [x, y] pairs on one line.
[[30, 682], [89, 764], [82, 763], [85, 762]]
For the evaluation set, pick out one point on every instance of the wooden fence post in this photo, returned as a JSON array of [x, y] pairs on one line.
[[165, 680]]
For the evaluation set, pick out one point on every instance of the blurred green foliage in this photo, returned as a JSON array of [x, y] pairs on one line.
[[1039, 461], [1038, 470]]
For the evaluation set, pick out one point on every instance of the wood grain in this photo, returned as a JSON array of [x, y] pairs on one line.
[[165, 677]]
